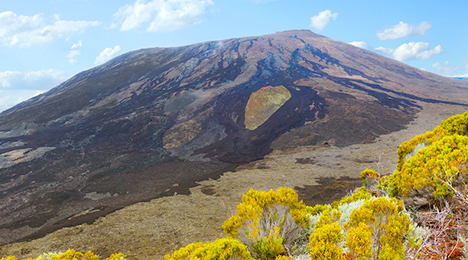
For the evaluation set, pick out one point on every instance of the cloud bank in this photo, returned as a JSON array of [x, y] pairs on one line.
[[106, 54], [24, 31], [33, 80], [321, 20], [162, 15], [9, 98], [412, 51], [448, 68], [403, 30]]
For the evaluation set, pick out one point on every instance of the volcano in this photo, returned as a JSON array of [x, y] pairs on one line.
[[129, 130]]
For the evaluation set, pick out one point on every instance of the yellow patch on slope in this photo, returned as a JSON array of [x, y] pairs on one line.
[[264, 103]]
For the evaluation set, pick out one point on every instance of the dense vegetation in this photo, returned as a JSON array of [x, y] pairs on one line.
[[418, 212]]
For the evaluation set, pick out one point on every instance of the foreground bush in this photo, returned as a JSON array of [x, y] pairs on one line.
[[385, 224], [221, 249], [431, 178], [435, 176], [324, 242], [432, 168], [269, 222], [359, 226], [362, 226], [456, 124]]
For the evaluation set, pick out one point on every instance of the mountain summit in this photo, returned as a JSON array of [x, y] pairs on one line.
[[128, 130]]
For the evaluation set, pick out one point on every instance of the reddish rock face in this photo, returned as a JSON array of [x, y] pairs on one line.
[[128, 130]]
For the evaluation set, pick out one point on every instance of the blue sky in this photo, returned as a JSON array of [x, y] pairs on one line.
[[44, 42]]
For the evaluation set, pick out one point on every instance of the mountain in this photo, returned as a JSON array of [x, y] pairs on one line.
[[154, 122]]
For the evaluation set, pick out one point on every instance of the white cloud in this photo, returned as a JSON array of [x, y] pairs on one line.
[[9, 98], [412, 51], [33, 80], [402, 30], [385, 50], [322, 19], [461, 76], [360, 44], [74, 51], [7, 77], [416, 51], [72, 61], [106, 54], [24, 31], [446, 67], [16, 87], [163, 15]]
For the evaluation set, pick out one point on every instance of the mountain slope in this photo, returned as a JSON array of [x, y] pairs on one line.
[[130, 129]]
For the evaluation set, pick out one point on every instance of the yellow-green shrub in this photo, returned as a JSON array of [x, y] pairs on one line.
[[360, 193], [323, 243], [184, 252], [369, 174], [358, 241], [315, 210], [71, 254], [266, 219], [389, 225], [221, 249], [377, 229], [432, 167], [269, 247], [254, 201], [117, 256], [456, 124], [328, 217]]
